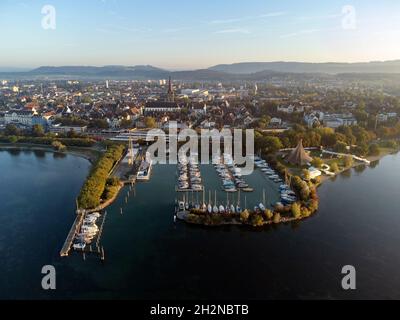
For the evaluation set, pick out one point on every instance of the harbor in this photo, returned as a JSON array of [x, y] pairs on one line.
[[147, 226]]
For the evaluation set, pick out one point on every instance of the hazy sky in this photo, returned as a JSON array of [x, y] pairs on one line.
[[194, 34]]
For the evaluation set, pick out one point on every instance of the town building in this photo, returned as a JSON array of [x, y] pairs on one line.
[[335, 121]]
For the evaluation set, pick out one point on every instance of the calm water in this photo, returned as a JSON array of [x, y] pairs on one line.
[[149, 257]]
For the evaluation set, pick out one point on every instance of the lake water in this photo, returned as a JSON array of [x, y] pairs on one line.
[[150, 257]]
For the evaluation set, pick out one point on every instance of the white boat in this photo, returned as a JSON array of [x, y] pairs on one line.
[[215, 209], [90, 229], [79, 246], [145, 170], [261, 206], [90, 220], [197, 187], [181, 206], [209, 208], [94, 214], [221, 209], [232, 208]]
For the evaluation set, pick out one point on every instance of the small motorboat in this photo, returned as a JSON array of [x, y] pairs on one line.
[[79, 246]]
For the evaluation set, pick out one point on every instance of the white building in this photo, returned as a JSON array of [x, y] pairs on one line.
[[275, 122], [335, 121], [58, 128], [20, 117], [314, 118]]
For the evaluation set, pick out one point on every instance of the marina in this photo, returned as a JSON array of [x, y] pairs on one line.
[[287, 195], [189, 176], [85, 232], [230, 174], [131, 271]]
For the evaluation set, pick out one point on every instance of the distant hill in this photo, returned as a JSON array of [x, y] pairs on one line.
[[252, 71], [146, 72], [303, 67]]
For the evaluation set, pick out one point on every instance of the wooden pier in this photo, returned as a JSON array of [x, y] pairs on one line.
[[71, 235]]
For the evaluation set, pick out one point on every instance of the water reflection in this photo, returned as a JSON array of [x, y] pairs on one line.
[[346, 174], [59, 155], [14, 152], [360, 168], [40, 153], [374, 164]]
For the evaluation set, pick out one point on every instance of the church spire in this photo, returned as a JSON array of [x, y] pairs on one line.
[[171, 95]]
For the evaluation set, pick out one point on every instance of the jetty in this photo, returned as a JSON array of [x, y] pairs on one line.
[[72, 233]]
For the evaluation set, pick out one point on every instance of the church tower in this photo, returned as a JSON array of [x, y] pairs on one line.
[[171, 94]]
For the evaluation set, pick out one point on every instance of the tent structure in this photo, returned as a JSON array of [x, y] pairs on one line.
[[299, 156]]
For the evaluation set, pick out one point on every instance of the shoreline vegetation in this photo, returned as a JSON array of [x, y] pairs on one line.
[[100, 188]]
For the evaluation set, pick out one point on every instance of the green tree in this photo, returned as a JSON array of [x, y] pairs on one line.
[[37, 130], [340, 147], [125, 124], [334, 167], [296, 210], [58, 146], [374, 150], [150, 122], [268, 214], [244, 216], [272, 144], [306, 174], [257, 220], [277, 218], [348, 161], [99, 124], [12, 130], [317, 162]]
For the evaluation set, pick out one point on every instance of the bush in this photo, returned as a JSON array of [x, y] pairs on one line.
[[277, 218], [268, 214], [348, 161], [391, 144], [244, 216], [257, 220], [317, 162], [334, 167], [57, 145], [374, 150], [296, 210]]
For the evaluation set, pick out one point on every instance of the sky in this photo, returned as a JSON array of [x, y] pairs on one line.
[[178, 34]]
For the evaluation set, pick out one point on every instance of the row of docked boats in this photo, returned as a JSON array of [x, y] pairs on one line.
[[230, 174], [211, 207], [267, 170], [88, 231], [189, 176]]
